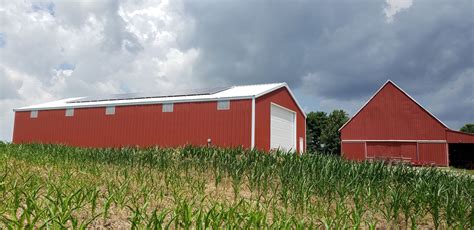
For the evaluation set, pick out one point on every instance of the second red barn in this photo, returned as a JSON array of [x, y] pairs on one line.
[[393, 126]]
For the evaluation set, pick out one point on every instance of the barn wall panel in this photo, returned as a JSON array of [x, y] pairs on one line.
[[392, 150], [262, 117], [142, 125], [433, 153], [353, 151], [409, 151], [383, 150], [392, 115]]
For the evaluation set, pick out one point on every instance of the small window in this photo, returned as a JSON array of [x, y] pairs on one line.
[[69, 112], [167, 108], [34, 114], [223, 105], [110, 110]]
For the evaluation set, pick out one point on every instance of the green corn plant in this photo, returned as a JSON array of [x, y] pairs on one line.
[[313, 191]]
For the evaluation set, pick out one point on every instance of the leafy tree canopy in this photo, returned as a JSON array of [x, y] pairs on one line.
[[323, 131], [468, 128]]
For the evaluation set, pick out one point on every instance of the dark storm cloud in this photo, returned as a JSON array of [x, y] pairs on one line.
[[339, 50], [244, 41], [117, 38]]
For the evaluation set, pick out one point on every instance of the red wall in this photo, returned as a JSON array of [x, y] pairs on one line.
[[353, 150], [396, 150], [143, 125], [417, 153], [262, 117], [391, 115], [433, 153]]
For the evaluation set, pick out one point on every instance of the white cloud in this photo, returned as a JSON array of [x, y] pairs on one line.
[[112, 46], [395, 6]]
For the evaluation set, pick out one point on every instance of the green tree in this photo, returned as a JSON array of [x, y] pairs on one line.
[[315, 122], [323, 131], [330, 136], [468, 128]]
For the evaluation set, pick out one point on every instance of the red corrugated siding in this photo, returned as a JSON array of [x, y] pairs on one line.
[[143, 125], [433, 153], [383, 150], [396, 150], [459, 137], [391, 115], [262, 117], [409, 151], [353, 151]]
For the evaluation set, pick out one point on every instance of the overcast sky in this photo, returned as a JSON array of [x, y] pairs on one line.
[[334, 54]]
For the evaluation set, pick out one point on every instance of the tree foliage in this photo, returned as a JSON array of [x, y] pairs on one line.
[[323, 131], [315, 121], [468, 128]]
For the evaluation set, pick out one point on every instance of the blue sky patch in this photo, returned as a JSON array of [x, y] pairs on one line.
[[2, 40], [44, 6], [66, 66]]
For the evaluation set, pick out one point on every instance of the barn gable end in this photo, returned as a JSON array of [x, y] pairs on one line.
[[391, 114]]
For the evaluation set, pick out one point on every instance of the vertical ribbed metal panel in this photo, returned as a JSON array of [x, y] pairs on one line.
[[262, 117], [433, 153], [396, 123], [142, 125], [392, 115], [396, 150], [353, 151], [409, 151]]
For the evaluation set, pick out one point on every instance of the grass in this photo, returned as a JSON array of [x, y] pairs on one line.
[[50, 186]]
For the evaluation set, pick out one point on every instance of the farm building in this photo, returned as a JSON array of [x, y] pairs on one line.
[[265, 116], [393, 126]]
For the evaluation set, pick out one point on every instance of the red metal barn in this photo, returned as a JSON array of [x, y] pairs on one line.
[[263, 116], [392, 125]]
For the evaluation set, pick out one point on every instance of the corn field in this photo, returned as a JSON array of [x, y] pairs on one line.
[[51, 186]]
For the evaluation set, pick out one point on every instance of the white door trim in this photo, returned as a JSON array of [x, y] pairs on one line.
[[252, 140]]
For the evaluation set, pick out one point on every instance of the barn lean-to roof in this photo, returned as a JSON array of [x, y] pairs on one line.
[[221, 93]]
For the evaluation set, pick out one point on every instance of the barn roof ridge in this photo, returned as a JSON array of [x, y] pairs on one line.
[[401, 90]]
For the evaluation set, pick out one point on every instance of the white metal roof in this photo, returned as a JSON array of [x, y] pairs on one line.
[[232, 93]]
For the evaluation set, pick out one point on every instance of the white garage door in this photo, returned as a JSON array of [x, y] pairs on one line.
[[283, 128]]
